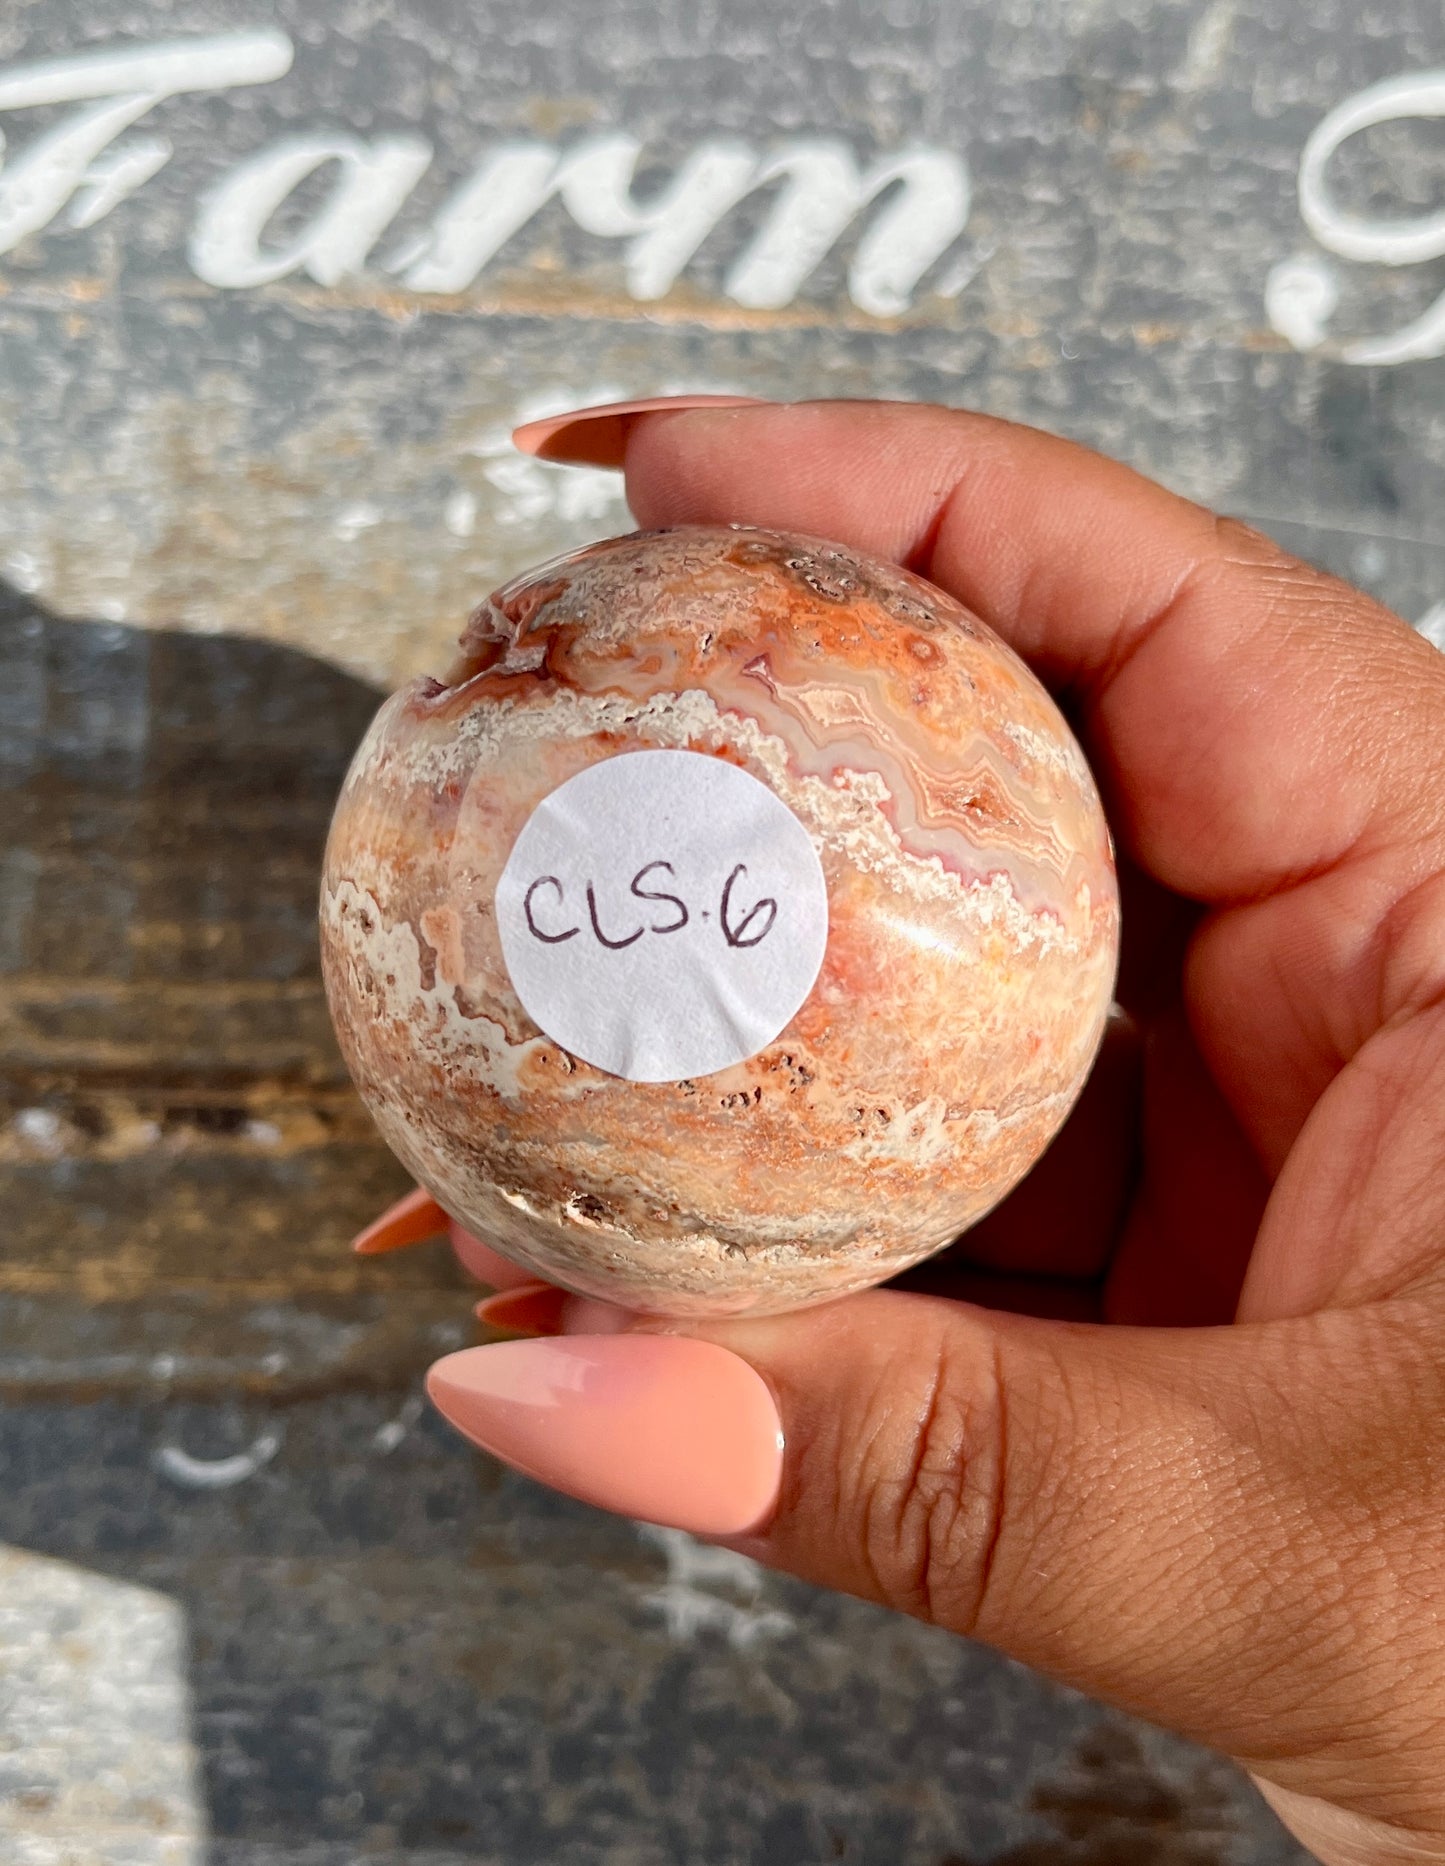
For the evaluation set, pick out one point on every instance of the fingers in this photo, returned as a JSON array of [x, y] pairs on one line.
[[1266, 737], [1204, 1526], [1223, 682], [485, 1264], [600, 438], [976, 1470], [413, 1219], [1359, 1210], [1338, 1837], [416, 1219]]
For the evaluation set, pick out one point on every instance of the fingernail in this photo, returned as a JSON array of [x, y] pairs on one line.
[[598, 436], [411, 1220], [529, 1309], [485, 1264], [656, 1427], [543, 1309]]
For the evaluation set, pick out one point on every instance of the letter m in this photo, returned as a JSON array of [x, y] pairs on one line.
[[823, 192]]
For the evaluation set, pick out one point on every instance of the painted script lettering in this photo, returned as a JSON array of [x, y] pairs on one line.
[[1302, 292], [910, 205], [914, 202]]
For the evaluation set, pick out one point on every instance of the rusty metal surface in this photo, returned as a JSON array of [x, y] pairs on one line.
[[233, 508]]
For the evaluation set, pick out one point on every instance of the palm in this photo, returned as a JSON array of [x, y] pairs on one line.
[[1231, 1530], [1157, 1204], [1220, 692]]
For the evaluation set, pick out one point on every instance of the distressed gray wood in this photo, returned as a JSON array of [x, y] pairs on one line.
[[97, 1759], [229, 517], [326, 465], [398, 1652]]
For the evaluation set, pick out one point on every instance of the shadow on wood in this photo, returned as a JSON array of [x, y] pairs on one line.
[[178, 1139]]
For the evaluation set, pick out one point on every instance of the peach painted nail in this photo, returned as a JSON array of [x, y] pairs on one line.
[[598, 436], [657, 1427], [529, 1309], [543, 1309], [411, 1220]]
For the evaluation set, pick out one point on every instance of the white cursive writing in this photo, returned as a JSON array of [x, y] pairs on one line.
[[916, 200], [68, 163], [1302, 292], [911, 205]]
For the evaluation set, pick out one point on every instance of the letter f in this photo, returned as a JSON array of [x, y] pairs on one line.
[[118, 89]]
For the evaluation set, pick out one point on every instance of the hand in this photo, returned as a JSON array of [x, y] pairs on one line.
[[1238, 1528]]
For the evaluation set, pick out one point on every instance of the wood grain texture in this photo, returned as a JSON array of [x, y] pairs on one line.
[[179, 1147]]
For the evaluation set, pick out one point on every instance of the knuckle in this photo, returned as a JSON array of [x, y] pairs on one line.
[[930, 1479], [1287, 585]]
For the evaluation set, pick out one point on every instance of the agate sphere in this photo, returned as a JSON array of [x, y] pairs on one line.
[[732, 927]]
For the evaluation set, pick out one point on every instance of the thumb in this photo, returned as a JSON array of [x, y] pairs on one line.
[[1099, 1502], [1224, 1530], [1184, 1522]]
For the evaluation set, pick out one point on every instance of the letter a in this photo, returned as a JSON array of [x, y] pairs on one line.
[[374, 181]]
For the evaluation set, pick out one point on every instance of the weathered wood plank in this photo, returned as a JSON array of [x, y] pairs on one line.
[[178, 1142]]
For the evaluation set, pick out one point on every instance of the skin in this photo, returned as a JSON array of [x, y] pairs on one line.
[[1170, 1425]]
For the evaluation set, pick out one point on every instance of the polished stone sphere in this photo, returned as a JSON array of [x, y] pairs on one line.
[[754, 1023]]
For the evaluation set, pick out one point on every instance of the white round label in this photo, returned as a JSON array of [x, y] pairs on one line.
[[662, 915]]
